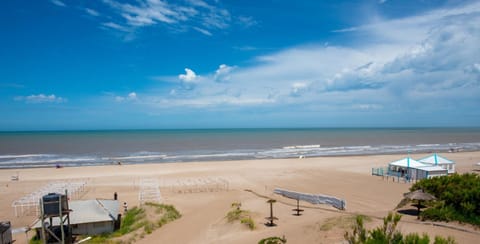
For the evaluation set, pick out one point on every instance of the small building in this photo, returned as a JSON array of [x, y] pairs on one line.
[[406, 167], [438, 160], [91, 217], [5, 232], [411, 169]]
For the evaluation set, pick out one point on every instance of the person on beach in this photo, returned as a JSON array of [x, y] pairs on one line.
[[125, 207]]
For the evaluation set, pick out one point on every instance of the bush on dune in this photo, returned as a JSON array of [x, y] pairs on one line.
[[237, 214], [458, 197], [388, 233]]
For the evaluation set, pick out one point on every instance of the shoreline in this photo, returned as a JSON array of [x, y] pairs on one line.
[[72, 148], [220, 159]]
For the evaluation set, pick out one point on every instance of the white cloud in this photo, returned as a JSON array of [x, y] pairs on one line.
[[142, 13], [188, 77], [247, 21], [116, 26], [298, 88], [203, 31], [432, 71], [132, 96], [222, 100], [222, 74], [92, 12], [145, 13], [413, 29], [58, 3], [41, 98], [367, 106]]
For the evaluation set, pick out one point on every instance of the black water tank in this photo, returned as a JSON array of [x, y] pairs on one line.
[[52, 203]]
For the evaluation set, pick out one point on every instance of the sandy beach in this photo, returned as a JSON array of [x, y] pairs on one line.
[[203, 213]]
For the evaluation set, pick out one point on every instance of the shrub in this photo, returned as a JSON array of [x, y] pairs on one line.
[[273, 240], [234, 215], [133, 220], [441, 240], [248, 221], [130, 221], [243, 216], [414, 238], [148, 228], [388, 233], [458, 196]]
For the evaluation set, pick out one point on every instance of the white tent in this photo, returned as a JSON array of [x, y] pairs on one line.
[[436, 159], [407, 163], [412, 169]]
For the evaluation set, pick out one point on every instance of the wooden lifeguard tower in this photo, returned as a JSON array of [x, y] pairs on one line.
[[55, 219]]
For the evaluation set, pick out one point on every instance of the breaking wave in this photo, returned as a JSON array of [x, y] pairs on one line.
[[294, 151]]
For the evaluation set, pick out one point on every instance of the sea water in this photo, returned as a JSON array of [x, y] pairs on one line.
[[76, 148]]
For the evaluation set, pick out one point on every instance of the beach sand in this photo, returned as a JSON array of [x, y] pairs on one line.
[[203, 213]]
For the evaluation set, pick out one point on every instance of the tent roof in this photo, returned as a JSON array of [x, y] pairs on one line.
[[408, 162], [432, 168], [90, 211], [436, 159]]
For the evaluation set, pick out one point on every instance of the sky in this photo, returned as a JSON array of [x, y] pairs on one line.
[[162, 64]]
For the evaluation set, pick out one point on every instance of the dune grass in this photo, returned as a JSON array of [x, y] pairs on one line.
[[136, 223], [238, 214]]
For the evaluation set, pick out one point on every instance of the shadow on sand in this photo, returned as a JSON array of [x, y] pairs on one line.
[[410, 211]]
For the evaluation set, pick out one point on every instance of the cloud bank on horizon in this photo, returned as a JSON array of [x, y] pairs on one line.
[[408, 70], [427, 61]]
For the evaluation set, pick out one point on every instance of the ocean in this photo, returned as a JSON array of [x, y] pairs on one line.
[[77, 148]]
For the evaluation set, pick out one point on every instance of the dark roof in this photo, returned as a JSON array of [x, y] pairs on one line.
[[90, 211], [4, 226]]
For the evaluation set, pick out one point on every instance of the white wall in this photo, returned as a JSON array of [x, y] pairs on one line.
[[93, 228]]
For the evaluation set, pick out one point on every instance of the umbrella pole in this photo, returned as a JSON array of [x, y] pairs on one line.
[[418, 208]]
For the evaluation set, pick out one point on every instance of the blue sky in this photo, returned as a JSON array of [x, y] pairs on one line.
[[115, 64]]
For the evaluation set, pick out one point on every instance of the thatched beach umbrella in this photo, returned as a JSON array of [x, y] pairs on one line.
[[419, 195], [271, 218]]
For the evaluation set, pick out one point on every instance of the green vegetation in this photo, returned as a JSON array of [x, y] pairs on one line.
[[35, 240], [343, 222], [273, 240], [169, 214], [248, 221], [243, 216], [388, 233], [458, 197], [104, 238], [132, 221], [136, 219]]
